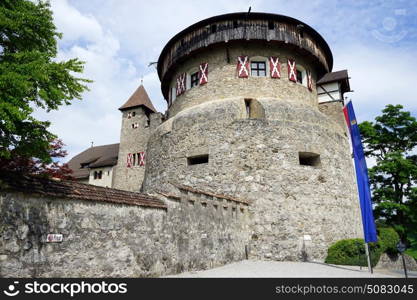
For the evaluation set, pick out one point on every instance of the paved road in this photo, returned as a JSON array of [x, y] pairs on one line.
[[250, 268]]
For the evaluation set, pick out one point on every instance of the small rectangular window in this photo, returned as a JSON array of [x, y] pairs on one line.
[[271, 25], [213, 28], [248, 110], [258, 68], [197, 160], [299, 76], [235, 24], [309, 159], [194, 79]]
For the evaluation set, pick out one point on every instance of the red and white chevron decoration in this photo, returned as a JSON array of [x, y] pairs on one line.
[[203, 74], [129, 161], [141, 158], [181, 84], [274, 67], [309, 81], [292, 70], [242, 66]]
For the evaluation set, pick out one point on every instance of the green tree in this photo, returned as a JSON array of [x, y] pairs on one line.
[[31, 77], [392, 141]]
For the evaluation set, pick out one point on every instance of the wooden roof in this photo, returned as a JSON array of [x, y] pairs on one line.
[[139, 98]]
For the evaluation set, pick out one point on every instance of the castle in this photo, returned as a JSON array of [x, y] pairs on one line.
[[255, 112], [251, 158]]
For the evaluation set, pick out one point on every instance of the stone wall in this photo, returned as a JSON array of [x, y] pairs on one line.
[[223, 81], [133, 140], [394, 262], [112, 240], [258, 160], [334, 110]]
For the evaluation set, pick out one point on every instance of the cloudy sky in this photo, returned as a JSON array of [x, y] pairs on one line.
[[375, 40]]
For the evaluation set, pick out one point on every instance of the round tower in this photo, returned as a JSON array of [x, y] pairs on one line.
[[244, 120]]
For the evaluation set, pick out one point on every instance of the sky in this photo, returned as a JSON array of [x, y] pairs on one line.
[[375, 40]]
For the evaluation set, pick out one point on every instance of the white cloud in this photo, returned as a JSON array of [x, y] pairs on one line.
[[118, 39], [379, 76]]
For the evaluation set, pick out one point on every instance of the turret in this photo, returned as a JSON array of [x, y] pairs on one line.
[[137, 114]]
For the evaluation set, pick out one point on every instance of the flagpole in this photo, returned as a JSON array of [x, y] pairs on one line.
[[368, 257]]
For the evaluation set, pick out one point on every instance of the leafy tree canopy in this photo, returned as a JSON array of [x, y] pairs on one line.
[[31, 77], [392, 141]]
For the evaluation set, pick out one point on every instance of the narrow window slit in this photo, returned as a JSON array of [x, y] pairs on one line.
[[197, 160]]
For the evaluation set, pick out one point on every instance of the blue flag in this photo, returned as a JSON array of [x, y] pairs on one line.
[[362, 178]]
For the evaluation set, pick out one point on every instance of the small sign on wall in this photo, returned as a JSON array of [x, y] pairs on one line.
[[54, 238]]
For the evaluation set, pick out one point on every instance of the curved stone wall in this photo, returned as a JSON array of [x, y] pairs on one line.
[[258, 160], [223, 81]]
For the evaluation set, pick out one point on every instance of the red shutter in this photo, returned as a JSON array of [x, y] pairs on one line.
[[274, 67], [203, 74], [309, 81], [141, 158], [181, 84], [129, 160], [242, 67], [292, 70]]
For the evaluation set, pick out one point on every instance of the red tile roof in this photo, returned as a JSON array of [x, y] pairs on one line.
[[74, 190]]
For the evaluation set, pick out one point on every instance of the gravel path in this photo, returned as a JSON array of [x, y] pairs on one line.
[[250, 268]]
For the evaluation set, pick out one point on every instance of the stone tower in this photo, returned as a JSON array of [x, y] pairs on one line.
[[138, 120], [244, 120]]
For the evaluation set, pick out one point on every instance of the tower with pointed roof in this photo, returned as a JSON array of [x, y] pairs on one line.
[[139, 117]]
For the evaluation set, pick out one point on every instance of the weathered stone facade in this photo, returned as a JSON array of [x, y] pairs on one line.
[[290, 158], [137, 125], [111, 240], [246, 167], [258, 159]]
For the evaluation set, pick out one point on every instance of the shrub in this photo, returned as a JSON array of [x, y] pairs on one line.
[[351, 252], [388, 239]]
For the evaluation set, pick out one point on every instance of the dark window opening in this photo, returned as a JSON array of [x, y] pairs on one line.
[[98, 174], [133, 159], [199, 159], [213, 28], [309, 159], [271, 25], [235, 24], [133, 114], [148, 119], [299, 77], [194, 79], [258, 68], [248, 110]]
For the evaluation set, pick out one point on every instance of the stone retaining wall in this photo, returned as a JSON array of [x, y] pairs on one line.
[[115, 240]]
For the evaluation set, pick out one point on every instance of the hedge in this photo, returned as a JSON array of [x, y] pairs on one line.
[[352, 251]]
